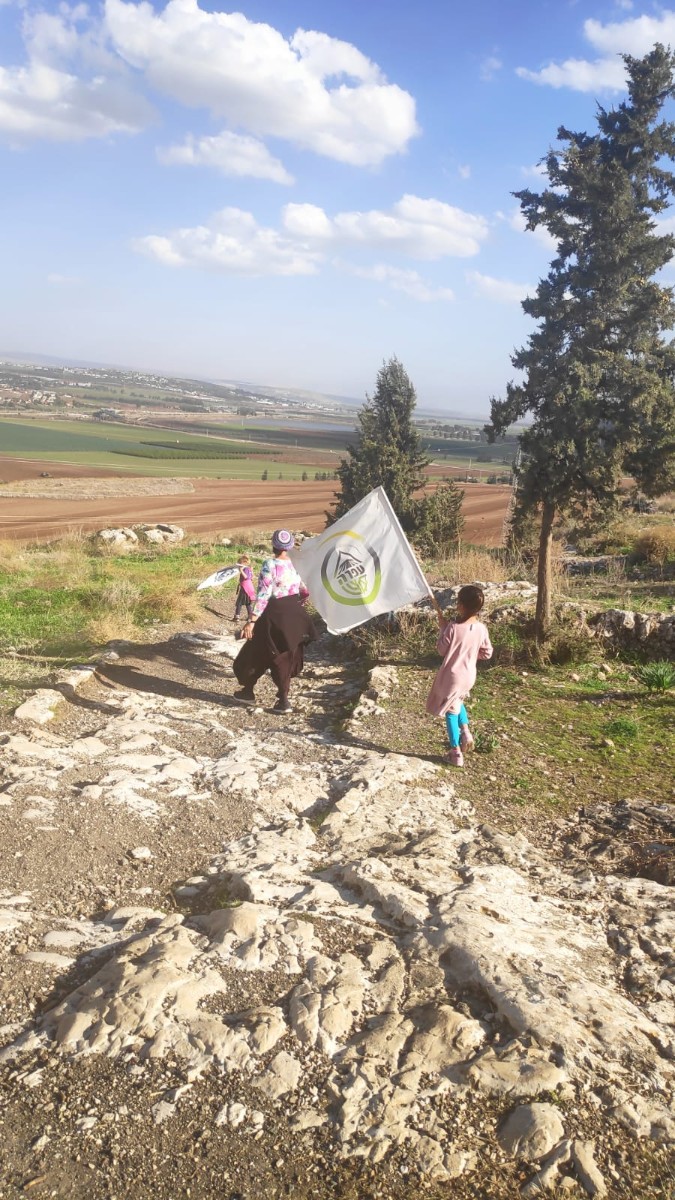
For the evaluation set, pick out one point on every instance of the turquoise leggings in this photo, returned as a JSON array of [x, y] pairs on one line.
[[453, 724]]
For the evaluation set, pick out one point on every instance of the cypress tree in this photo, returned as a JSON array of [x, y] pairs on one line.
[[599, 369], [387, 452]]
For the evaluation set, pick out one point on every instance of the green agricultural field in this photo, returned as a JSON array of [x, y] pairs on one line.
[[129, 448]]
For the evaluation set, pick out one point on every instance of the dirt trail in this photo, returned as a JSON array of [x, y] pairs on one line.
[[224, 507], [253, 956]]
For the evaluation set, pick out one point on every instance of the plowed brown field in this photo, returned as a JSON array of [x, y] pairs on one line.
[[215, 507]]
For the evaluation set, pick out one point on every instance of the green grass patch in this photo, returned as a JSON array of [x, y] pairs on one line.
[[130, 449], [61, 603], [622, 729], [542, 737]]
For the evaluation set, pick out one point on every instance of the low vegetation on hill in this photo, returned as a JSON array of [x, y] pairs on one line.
[[567, 722]]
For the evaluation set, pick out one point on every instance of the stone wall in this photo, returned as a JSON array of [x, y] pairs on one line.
[[652, 632]]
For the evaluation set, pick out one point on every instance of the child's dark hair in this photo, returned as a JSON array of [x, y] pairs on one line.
[[471, 599]]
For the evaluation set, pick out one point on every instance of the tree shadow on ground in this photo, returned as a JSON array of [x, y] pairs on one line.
[[369, 744], [130, 678], [176, 654], [67, 690], [72, 696]]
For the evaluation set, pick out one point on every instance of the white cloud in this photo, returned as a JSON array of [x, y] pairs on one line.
[[230, 153], [489, 67], [232, 243], [39, 102], [409, 282], [57, 280], [316, 91], [604, 74], [428, 229], [67, 90], [634, 35], [464, 171], [501, 290]]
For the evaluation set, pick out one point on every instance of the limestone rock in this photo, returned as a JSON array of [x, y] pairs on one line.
[[531, 1131], [122, 539], [160, 534], [40, 708], [401, 951], [587, 1168], [650, 632], [141, 854], [282, 1076]]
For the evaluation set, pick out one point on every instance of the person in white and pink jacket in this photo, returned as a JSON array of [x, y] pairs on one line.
[[462, 643]]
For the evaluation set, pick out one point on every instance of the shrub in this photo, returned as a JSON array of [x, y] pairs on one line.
[[622, 729], [657, 676], [657, 545], [439, 522], [485, 743], [566, 646], [509, 640]]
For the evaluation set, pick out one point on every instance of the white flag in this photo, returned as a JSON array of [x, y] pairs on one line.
[[361, 566], [218, 578]]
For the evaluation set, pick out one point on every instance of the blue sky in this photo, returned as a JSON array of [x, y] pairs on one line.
[[288, 193]]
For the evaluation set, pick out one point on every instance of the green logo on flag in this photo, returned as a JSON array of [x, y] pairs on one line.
[[350, 571]]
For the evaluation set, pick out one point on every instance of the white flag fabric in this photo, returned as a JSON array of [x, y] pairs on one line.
[[218, 578], [362, 566]]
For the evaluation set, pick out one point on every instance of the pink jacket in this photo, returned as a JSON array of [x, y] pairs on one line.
[[246, 582], [461, 645]]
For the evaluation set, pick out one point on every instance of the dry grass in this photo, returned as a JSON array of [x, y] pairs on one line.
[[475, 563], [67, 598], [47, 566], [657, 545], [111, 626]]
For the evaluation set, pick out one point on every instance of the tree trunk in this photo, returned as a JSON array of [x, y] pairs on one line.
[[542, 618]]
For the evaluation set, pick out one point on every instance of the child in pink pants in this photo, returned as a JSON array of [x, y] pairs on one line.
[[462, 643]]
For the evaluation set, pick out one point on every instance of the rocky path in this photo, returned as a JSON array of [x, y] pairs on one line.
[[243, 956]]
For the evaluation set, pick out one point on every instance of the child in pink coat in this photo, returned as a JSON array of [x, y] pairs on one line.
[[245, 589], [462, 643]]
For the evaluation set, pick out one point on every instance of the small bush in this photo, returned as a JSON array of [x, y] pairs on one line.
[[657, 676], [439, 519], [564, 647], [622, 729], [485, 743], [510, 643], [657, 545]]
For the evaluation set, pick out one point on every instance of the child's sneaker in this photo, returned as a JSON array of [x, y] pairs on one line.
[[466, 738], [455, 757]]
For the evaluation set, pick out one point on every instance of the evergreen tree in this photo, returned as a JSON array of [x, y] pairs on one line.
[[440, 521], [598, 370], [387, 452]]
